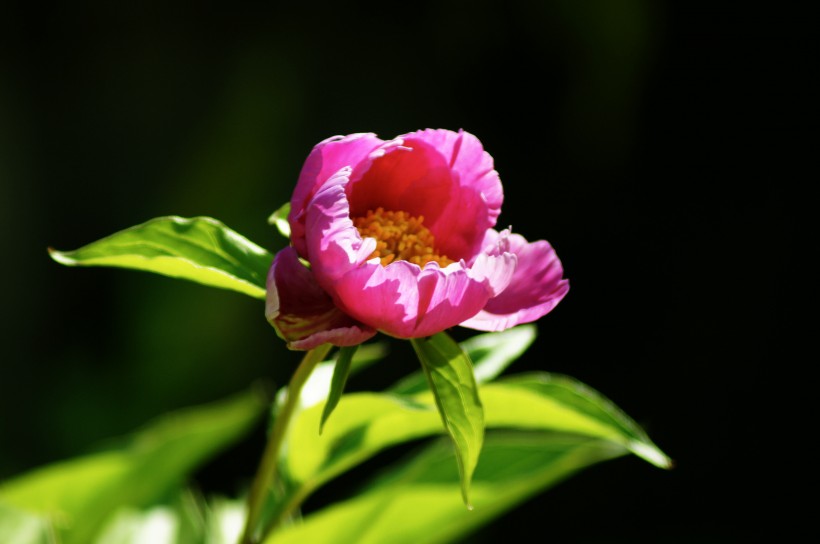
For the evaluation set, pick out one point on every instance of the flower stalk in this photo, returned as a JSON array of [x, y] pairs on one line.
[[267, 472]]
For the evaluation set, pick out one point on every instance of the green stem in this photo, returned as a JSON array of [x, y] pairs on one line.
[[266, 473]]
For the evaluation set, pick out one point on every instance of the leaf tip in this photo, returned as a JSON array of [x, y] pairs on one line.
[[60, 256], [651, 453], [279, 219]]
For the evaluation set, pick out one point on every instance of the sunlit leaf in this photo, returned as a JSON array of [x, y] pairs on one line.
[[491, 353], [592, 411], [318, 385], [366, 423], [157, 525], [413, 502], [279, 219], [224, 520], [199, 249], [340, 373], [78, 495], [181, 521], [20, 527], [452, 382], [189, 519]]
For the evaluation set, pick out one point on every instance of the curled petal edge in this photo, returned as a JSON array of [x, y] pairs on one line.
[[536, 287], [407, 301], [326, 158]]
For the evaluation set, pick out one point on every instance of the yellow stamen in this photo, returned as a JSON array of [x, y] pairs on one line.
[[399, 236]]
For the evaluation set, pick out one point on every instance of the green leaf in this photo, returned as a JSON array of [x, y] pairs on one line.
[[181, 521], [318, 385], [158, 525], [590, 410], [78, 495], [450, 375], [491, 354], [340, 373], [413, 502], [279, 219], [22, 527], [362, 425], [199, 249], [224, 520], [366, 423], [188, 519]]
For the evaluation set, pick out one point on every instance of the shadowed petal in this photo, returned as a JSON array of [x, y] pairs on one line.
[[475, 205], [465, 155], [398, 178], [444, 176], [302, 312], [536, 287]]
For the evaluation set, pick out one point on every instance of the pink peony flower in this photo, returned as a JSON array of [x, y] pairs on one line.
[[399, 238]]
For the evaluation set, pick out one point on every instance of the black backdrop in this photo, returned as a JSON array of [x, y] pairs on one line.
[[653, 144]]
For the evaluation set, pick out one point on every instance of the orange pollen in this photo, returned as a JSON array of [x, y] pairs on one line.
[[399, 236]]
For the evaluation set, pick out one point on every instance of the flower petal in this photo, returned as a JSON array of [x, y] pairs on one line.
[[302, 312], [536, 287], [475, 207], [466, 157], [327, 158], [406, 301], [439, 174], [333, 245], [398, 178], [446, 294]]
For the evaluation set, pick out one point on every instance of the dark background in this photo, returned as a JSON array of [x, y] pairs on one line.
[[652, 143]]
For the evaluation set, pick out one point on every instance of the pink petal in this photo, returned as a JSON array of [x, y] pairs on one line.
[[401, 299], [327, 158], [473, 208], [406, 301], [333, 244], [536, 287], [397, 178], [302, 312], [467, 158], [442, 175]]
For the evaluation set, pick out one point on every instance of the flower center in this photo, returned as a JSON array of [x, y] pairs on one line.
[[399, 236]]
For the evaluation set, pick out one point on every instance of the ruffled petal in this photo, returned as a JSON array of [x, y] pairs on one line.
[[386, 301], [536, 287], [406, 301], [327, 158], [446, 294], [444, 176], [474, 207], [302, 313], [467, 158]]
